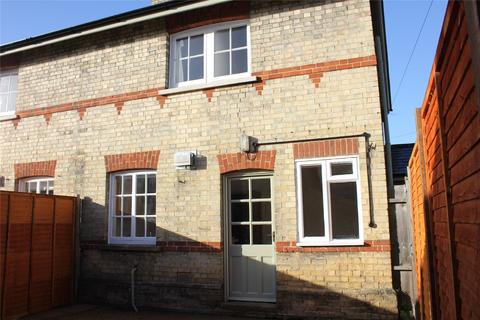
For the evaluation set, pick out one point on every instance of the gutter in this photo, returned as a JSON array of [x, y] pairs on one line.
[[122, 20]]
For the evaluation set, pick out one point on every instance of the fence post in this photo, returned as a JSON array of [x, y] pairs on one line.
[[428, 224]]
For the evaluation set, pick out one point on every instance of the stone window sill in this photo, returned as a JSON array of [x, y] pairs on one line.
[[6, 117], [211, 85]]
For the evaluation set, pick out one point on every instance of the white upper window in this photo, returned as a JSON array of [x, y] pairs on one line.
[[132, 214], [8, 92], [41, 185], [329, 204], [210, 54]]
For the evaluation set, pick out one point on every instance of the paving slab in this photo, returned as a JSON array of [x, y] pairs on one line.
[[93, 312]]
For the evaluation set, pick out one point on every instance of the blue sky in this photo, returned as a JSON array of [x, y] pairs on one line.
[[20, 19]]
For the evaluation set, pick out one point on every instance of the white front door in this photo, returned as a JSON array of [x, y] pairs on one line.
[[250, 234]]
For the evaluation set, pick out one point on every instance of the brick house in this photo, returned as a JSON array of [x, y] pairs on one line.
[[141, 115]]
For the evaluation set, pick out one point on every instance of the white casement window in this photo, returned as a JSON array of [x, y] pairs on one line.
[[329, 204], [132, 210], [8, 92], [209, 54], [41, 185]]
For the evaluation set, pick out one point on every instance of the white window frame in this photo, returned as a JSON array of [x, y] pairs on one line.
[[22, 184], [111, 210], [9, 73], [327, 179], [208, 54]]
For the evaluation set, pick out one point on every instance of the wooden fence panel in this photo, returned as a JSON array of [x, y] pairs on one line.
[[3, 242], [450, 139], [37, 252], [17, 262], [63, 251], [42, 254]]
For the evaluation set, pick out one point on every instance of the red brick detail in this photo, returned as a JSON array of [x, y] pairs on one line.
[[315, 71], [161, 100], [241, 161], [35, 169], [81, 112], [161, 246], [236, 10], [15, 123], [130, 161], [190, 246], [119, 106], [259, 86], [325, 148], [369, 246], [209, 94], [89, 103], [47, 117]]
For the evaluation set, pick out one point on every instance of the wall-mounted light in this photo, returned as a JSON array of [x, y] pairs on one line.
[[248, 143], [185, 160]]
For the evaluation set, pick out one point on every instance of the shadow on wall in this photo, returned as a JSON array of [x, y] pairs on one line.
[[182, 273]]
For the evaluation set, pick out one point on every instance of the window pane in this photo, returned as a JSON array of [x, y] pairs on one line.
[[239, 37], [240, 234], [260, 188], [151, 205], [312, 197], [13, 82], [33, 187], [127, 206], [118, 206], [240, 212], [127, 227], [43, 187], [117, 227], [140, 227], [152, 183], [127, 185], [118, 185], [344, 210], [341, 168], [196, 68], [239, 61], [261, 211], [182, 47], [151, 227], [262, 234], [3, 102], [222, 64], [182, 73], [222, 40], [196, 45], [140, 206], [239, 189], [12, 97], [140, 184], [4, 84]]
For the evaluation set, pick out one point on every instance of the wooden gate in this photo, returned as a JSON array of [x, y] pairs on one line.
[[37, 235]]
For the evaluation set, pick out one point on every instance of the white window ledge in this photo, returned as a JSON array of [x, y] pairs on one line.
[[331, 243], [215, 84], [7, 117]]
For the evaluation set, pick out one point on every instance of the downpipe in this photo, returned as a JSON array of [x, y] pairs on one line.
[[132, 287]]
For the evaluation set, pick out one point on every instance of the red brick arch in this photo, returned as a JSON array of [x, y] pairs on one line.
[[35, 169], [131, 161], [229, 162]]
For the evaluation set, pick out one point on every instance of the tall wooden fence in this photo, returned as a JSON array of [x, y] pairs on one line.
[[37, 252], [445, 180]]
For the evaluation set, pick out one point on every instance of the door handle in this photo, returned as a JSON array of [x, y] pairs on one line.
[[273, 236]]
